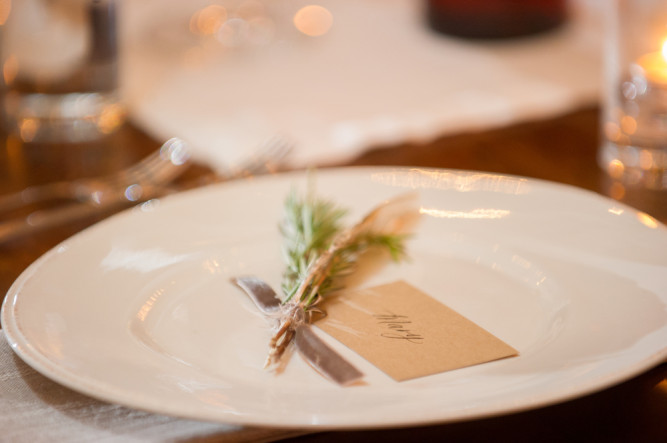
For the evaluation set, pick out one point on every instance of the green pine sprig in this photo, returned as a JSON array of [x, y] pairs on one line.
[[308, 229]]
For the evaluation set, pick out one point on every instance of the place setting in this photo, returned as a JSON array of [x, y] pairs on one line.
[[249, 270]]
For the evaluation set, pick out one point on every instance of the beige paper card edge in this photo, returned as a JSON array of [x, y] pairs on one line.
[[406, 333]]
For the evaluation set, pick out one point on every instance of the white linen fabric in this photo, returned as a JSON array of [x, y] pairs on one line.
[[35, 409], [377, 78]]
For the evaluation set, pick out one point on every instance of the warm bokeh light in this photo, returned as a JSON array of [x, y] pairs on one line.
[[5, 8], [628, 124], [662, 387], [617, 191], [209, 20], [616, 168], [246, 24], [654, 65], [313, 20], [9, 69], [647, 220], [28, 128], [111, 119]]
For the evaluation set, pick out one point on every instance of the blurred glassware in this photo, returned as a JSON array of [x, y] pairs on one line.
[[151, 178], [60, 70], [492, 19], [634, 118]]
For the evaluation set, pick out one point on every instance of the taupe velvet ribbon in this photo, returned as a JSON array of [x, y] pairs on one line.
[[316, 352]]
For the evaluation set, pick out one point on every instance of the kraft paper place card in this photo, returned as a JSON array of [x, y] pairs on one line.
[[406, 333]]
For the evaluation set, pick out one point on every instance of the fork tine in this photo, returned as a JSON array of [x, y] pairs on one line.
[[135, 170], [267, 157], [161, 166], [174, 152]]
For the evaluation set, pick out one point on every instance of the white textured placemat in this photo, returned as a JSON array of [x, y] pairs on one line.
[[35, 409], [379, 76]]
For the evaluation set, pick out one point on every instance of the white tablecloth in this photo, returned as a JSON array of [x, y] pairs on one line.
[[35, 409], [378, 77]]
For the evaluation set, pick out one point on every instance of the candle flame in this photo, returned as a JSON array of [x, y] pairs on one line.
[[664, 49]]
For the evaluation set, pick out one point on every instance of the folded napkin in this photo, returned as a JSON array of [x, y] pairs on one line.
[[35, 409], [378, 77]]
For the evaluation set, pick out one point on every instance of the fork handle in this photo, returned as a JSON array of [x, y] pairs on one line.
[[36, 194], [48, 218]]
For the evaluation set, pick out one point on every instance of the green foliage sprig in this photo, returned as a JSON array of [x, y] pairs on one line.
[[319, 251]]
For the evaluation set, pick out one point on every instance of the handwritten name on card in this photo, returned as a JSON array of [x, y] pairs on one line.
[[406, 333], [397, 327]]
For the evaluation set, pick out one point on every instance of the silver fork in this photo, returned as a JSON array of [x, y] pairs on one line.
[[160, 167], [267, 158], [110, 199]]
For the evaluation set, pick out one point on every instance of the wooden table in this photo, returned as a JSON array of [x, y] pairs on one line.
[[561, 149]]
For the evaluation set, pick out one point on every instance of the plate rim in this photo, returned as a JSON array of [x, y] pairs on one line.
[[21, 346]]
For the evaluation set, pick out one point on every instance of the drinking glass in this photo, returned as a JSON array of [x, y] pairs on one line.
[[60, 69], [634, 118]]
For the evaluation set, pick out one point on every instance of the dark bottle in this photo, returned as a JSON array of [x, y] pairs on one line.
[[492, 19]]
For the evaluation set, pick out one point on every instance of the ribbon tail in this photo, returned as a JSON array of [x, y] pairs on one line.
[[327, 361]]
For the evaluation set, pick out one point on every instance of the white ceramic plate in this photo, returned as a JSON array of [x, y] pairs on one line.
[[138, 309]]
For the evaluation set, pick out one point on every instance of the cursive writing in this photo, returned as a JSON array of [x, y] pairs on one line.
[[398, 328]]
